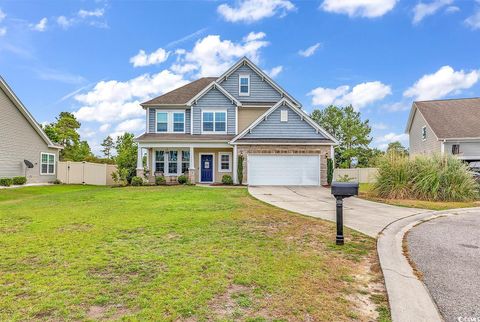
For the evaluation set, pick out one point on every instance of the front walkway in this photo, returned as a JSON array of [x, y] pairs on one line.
[[365, 216]]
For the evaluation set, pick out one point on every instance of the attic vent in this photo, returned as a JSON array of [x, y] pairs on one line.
[[283, 116]]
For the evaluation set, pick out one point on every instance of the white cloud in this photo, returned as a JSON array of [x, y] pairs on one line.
[[40, 26], [360, 8], [443, 82], [275, 71], [94, 13], [2, 15], [309, 51], [397, 106], [64, 22], [254, 10], [422, 10], [143, 59], [3, 31], [452, 9], [111, 101], [132, 125], [104, 127], [359, 96], [474, 20], [211, 55], [382, 142]]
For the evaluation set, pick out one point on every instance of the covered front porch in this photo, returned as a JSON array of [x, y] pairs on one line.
[[199, 162]]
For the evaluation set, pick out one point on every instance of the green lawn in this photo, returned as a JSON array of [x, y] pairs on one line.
[[177, 253], [367, 193]]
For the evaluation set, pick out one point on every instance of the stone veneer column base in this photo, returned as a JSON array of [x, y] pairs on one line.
[[191, 175], [140, 173]]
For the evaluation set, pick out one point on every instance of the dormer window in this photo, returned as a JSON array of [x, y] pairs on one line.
[[244, 85]]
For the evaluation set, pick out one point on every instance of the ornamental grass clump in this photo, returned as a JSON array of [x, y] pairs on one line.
[[433, 178]]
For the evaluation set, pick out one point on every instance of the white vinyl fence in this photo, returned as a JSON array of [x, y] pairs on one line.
[[85, 173], [360, 175]]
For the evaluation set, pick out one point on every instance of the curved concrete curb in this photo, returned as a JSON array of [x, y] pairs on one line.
[[408, 296]]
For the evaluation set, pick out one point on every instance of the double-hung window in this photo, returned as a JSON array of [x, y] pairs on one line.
[[214, 122], [159, 161], [47, 164], [178, 122], [162, 121], [224, 162], [185, 161], [244, 85], [170, 121]]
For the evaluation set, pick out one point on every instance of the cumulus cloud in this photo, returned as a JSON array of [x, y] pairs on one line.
[[111, 101], [358, 96], [309, 51], [132, 125], [104, 127], [275, 71], [474, 20], [254, 10], [382, 141], [443, 82], [40, 26], [143, 59], [211, 55], [422, 10], [359, 8], [90, 17]]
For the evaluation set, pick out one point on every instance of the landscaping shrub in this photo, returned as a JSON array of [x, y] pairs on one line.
[[226, 179], [435, 178], [137, 181], [6, 182], [18, 181], [240, 169], [182, 179], [329, 171], [160, 180], [57, 181]]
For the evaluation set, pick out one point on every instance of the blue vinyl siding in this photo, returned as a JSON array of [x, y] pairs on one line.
[[260, 90], [151, 120], [213, 100], [273, 128]]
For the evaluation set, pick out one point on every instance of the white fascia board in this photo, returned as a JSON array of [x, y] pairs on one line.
[[184, 145]]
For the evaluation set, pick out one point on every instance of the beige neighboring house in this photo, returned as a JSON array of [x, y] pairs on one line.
[[22, 138], [446, 127]]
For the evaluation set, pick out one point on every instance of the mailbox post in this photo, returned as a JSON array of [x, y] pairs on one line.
[[341, 190]]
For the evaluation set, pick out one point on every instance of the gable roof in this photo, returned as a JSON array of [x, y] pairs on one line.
[[181, 95], [294, 108], [449, 119], [213, 85], [262, 74], [19, 105]]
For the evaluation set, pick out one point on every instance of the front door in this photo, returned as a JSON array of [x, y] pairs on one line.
[[206, 164]]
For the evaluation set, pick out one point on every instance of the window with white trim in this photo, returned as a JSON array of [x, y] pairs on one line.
[[47, 163], [244, 85], [172, 162], [214, 122], [160, 161], [185, 161], [178, 122], [424, 133], [162, 121], [224, 162], [170, 121]]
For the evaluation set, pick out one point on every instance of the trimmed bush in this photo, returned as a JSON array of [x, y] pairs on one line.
[[182, 179], [57, 181], [240, 169], [434, 178], [227, 180], [137, 181], [6, 182], [160, 180], [18, 181]]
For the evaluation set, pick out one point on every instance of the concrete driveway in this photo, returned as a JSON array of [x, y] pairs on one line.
[[362, 215]]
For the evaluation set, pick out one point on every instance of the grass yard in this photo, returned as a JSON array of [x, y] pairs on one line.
[[177, 254], [365, 192]]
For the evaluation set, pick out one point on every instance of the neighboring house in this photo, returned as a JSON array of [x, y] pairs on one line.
[[201, 128], [446, 127], [22, 138]]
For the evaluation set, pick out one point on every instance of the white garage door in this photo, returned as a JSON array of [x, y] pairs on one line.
[[293, 170]]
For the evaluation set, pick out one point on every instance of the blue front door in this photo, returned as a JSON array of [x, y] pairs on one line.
[[206, 162]]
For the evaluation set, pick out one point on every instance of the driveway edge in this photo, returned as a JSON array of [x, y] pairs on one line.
[[409, 298]]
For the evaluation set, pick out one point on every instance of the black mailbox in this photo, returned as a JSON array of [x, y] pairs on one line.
[[342, 190]]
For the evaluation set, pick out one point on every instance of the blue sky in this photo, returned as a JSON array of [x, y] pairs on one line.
[[99, 59]]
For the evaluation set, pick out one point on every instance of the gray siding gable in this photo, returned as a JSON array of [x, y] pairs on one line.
[[273, 128], [214, 100], [260, 90]]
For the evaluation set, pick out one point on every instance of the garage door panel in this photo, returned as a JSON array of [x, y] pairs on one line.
[[283, 170]]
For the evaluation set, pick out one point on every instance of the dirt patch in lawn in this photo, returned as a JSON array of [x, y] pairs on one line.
[[108, 312], [236, 301]]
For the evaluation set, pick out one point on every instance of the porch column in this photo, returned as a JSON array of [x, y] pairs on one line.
[[191, 166], [235, 164], [139, 162]]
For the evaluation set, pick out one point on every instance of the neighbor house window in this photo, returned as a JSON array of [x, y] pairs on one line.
[[224, 162], [244, 85], [185, 161], [178, 122], [214, 122], [455, 148], [284, 116], [172, 162], [47, 164], [162, 121], [159, 161], [424, 133]]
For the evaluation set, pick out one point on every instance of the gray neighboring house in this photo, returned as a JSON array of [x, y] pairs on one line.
[[201, 129], [22, 138], [449, 126]]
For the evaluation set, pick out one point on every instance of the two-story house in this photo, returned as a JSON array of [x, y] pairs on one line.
[[449, 126], [200, 130]]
